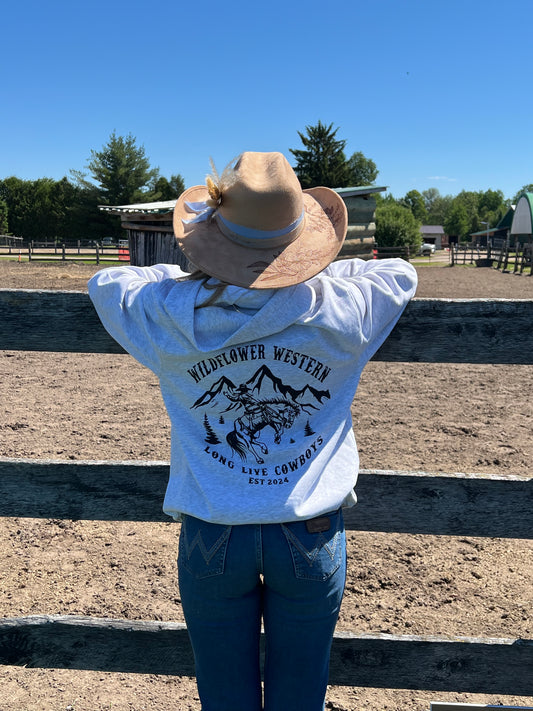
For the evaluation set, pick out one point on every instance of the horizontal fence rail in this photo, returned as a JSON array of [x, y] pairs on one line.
[[438, 504], [429, 331], [460, 664]]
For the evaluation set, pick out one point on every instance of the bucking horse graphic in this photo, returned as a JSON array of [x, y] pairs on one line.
[[277, 413]]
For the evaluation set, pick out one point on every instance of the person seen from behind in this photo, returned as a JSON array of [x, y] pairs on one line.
[[258, 351]]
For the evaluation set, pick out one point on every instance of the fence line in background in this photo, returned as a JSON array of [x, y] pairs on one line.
[[498, 254], [51, 252]]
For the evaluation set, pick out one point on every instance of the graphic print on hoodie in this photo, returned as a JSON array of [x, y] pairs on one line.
[[253, 417]]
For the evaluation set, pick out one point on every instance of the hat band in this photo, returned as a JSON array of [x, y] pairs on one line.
[[260, 239]]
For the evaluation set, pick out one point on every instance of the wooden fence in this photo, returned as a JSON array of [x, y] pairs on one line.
[[68, 252], [432, 331], [498, 254], [403, 252]]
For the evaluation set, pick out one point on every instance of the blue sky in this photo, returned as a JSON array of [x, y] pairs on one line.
[[437, 93]]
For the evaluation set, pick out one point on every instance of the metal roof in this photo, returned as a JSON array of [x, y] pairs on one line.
[[364, 190], [432, 229], [146, 208]]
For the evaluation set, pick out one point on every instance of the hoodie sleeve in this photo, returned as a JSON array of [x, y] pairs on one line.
[[130, 303], [365, 299]]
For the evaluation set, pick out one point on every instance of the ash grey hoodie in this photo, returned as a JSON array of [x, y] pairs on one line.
[[258, 386]]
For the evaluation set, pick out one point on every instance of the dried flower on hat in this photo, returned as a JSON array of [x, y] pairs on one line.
[[213, 187], [216, 184]]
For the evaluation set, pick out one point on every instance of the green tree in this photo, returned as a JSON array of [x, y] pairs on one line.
[[430, 196], [470, 200], [414, 201], [396, 226], [457, 223], [168, 189], [16, 194], [492, 206], [362, 170], [323, 162], [3, 218], [385, 199], [437, 206], [121, 172]]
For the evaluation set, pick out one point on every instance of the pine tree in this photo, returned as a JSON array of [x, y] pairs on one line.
[[324, 162], [308, 430], [121, 172], [211, 437]]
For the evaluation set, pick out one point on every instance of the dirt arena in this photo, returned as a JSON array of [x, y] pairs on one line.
[[434, 418]]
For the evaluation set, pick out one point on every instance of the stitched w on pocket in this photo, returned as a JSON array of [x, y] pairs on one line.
[[316, 556], [203, 546]]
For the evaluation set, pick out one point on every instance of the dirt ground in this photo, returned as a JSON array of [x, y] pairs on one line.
[[434, 418]]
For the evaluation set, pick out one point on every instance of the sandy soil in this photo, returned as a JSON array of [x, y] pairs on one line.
[[406, 416]]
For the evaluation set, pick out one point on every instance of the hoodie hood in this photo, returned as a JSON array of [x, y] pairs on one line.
[[240, 315]]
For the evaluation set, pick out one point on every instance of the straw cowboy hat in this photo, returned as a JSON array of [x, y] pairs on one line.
[[255, 227]]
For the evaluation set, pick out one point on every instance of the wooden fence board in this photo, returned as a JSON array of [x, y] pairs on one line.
[[60, 321], [400, 502], [460, 664], [430, 330]]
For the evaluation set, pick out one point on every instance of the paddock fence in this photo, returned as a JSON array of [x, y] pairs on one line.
[[460, 504], [516, 259], [68, 251]]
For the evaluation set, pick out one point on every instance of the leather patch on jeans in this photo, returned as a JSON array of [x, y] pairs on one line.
[[318, 525]]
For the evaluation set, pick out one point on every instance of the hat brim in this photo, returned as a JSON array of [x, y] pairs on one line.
[[317, 245]]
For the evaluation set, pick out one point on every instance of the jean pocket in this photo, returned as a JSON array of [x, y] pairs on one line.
[[202, 547], [316, 555]]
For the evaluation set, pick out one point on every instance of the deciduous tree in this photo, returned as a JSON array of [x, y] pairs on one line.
[[3, 218], [396, 226], [362, 170], [168, 189], [457, 223], [414, 201]]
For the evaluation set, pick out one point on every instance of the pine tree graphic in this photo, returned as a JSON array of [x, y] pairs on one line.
[[221, 420], [308, 431], [211, 436]]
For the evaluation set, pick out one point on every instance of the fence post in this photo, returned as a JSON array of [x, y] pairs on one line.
[[63, 252], [30, 243]]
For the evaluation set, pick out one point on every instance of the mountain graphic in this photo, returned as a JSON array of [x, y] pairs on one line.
[[263, 382], [257, 383], [214, 390]]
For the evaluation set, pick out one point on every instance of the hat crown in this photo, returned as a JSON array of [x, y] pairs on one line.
[[253, 225], [263, 192]]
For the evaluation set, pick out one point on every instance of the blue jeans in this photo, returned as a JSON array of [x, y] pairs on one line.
[[289, 575]]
